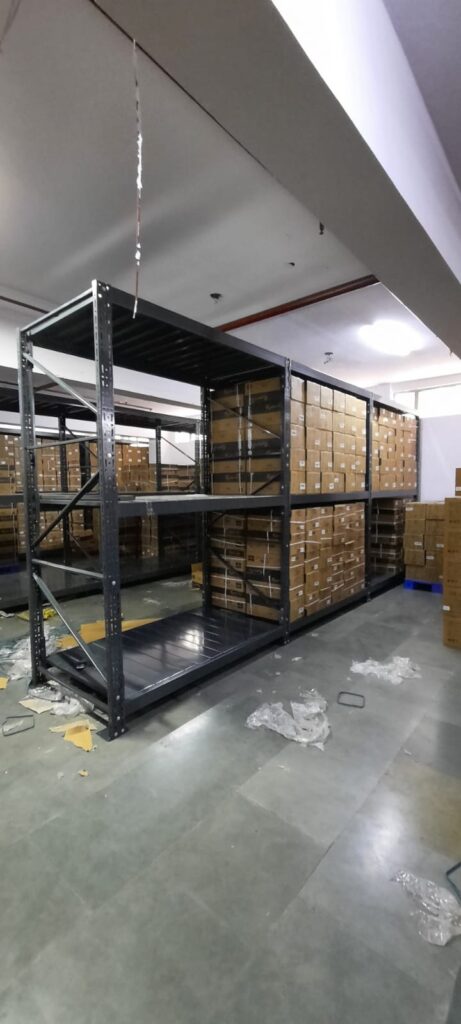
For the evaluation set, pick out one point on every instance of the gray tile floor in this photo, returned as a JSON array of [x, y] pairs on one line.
[[206, 873]]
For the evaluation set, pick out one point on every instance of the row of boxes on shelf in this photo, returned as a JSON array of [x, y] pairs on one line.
[[387, 536], [326, 560], [394, 450], [452, 571], [327, 438], [424, 541]]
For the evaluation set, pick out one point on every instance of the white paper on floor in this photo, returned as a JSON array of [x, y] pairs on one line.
[[395, 671], [438, 913], [307, 723]]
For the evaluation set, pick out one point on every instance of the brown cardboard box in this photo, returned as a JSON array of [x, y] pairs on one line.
[[312, 393], [339, 442], [298, 482], [313, 482], [298, 459], [313, 438], [326, 419], [452, 630], [339, 401], [262, 553], [326, 397], [298, 435], [232, 602], [296, 578], [414, 556], [298, 388], [313, 416], [435, 510], [298, 413], [458, 481], [326, 461], [453, 511], [339, 422], [326, 440], [350, 444], [332, 482], [313, 460]]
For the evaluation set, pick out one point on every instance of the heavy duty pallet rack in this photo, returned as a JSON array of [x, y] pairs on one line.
[[60, 406], [128, 671]]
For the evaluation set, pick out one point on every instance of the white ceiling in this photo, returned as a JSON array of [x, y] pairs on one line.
[[212, 219], [306, 334], [430, 33]]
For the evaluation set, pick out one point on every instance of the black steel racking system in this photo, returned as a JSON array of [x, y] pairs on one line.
[[128, 671], [62, 407]]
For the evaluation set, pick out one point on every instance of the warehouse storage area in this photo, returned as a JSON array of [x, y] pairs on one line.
[[230, 512]]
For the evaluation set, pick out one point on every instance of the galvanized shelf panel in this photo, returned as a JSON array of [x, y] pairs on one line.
[[337, 498], [164, 656], [169, 503]]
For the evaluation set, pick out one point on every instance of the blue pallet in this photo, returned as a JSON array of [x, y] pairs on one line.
[[433, 588]]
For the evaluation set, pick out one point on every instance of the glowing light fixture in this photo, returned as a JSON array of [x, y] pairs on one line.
[[391, 338]]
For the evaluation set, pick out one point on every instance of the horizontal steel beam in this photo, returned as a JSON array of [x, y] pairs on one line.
[[75, 439]]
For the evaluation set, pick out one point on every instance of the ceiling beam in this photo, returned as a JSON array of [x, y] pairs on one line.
[[306, 300]]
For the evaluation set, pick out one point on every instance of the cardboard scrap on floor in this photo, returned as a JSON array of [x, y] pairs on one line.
[[92, 631], [36, 704], [62, 729], [80, 736], [47, 613], [3, 682]]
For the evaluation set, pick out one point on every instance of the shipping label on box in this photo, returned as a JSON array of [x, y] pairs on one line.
[[313, 482], [313, 460]]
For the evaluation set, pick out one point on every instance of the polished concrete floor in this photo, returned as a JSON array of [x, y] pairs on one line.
[[206, 874]]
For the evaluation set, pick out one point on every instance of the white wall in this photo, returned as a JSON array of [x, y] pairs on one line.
[[182, 454], [440, 456]]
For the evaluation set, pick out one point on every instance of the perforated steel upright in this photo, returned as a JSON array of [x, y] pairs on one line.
[[108, 522]]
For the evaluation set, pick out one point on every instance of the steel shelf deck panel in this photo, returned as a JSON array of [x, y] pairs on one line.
[[394, 494], [164, 656], [168, 504], [336, 498]]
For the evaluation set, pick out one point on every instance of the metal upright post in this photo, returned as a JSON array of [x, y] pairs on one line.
[[109, 540], [64, 482], [206, 485], [158, 456], [369, 489], [31, 502], [286, 510]]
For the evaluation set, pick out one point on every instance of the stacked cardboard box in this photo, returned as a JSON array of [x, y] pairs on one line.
[[74, 472], [336, 441], [452, 573], [335, 554], [245, 437], [387, 536], [245, 564], [424, 541], [8, 534], [7, 464], [394, 464], [53, 541], [458, 483], [177, 478]]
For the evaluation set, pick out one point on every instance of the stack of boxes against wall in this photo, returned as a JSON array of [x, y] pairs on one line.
[[452, 569], [394, 460], [424, 541], [138, 537]]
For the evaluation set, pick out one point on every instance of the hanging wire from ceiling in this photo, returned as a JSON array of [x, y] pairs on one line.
[[137, 253], [12, 12]]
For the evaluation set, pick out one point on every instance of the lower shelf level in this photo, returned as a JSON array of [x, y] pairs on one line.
[[14, 586], [164, 656]]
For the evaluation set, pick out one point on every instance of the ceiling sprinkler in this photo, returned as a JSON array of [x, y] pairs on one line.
[[328, 357]]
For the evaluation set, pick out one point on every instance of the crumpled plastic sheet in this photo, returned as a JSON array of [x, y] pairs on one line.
[[68, 707], [45, 692], [394, 671], [437, 913], [17, 654], [307, 723]]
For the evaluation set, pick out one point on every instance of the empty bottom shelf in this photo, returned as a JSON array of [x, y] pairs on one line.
[[164, 656]]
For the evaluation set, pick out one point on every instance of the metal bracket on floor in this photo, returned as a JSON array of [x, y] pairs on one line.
[[357, 700]]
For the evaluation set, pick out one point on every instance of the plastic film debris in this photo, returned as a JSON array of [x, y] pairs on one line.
[[437, 911], [395, 671], [307, 723], [17, 654], [68, 706]]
